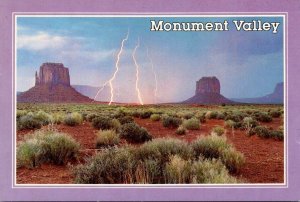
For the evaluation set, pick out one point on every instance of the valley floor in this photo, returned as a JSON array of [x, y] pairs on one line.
[[264, 157]]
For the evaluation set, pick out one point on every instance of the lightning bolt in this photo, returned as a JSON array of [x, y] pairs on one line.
[[137, 73], [105, 84], [117, 69], [115, 73], [155, 76]]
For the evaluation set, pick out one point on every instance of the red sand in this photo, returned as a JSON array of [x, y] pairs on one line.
[[264, 157]]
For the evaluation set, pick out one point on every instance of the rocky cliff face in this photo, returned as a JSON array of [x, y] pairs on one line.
[[52, 74], [52, 84], [208, 85], [208, 92]]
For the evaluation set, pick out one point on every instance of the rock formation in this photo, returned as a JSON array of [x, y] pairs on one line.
[[208, 84], [52, 74], [276, 97], [52, 84], [278, 91], [208, 92]]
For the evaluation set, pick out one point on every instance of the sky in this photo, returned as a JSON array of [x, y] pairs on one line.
[[248, 64]]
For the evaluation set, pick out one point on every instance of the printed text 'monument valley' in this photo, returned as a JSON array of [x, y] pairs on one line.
[[240, 25]]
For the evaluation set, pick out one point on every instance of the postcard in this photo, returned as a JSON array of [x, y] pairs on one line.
[[106, 101]]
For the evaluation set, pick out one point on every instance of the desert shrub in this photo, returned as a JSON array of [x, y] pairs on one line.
[[21, 113], [211, 114], [158, 161], [232, 159], [179, 114], [217, 147], [255, 114], [207, 114], [46, 146], [211, 171], [171, 122], [102, 122], [126, 119], [28, 122], [238, 125], [201, 117], [232, 117], [29, 153], [58, 148], [122, 111], [169, 113], [277, 134], [84, 116], [116, 125], [249, 122], [220, 115], [241, 113], [43, 117], [155, 117], [249, 111], [188, 115], [229, 124], [73, 119], [134, 133], [185, 115], [58, 118], [181, 130], [162, 149], [153, 110], [136, 114], [262, 131], [107, 138], [191, 124], [218, 130], [263, 117], [236, 115], [146, 114], [110, 166], [178, 170], [233, 124], [281, 128], [146, 172], [210, 146], [119, 114], [282, 116], [275, 113], [90, 117], [118, 165]]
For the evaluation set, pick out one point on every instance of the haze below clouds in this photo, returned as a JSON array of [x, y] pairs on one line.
[[248, 64]]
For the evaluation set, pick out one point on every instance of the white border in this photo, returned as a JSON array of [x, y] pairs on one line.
[[284, 15]]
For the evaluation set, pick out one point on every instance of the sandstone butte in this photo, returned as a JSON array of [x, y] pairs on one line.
[[52, 84], [208, 92]]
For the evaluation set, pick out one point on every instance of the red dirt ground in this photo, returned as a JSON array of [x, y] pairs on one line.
[[46, 174], [264, 157]]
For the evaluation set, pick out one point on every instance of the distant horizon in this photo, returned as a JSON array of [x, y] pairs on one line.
[[97, 87], [247, 64]]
